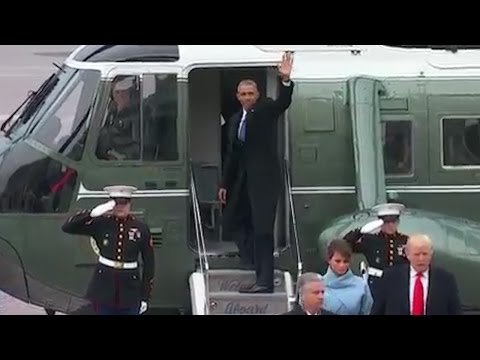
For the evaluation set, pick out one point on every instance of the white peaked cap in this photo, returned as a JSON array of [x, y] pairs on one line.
[[120, 192], [389, 210], [125, 84]]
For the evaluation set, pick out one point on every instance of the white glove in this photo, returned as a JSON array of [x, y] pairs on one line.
[[372, 227], [103, 209], [143, 308]]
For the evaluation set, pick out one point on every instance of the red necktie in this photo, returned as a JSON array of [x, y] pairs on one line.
[[418, 297]]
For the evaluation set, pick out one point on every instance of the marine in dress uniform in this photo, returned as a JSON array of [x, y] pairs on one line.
[[384, 249], [116, 287]]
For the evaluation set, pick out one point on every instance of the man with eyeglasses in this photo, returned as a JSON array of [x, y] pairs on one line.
[[116, 287], [381, 243]]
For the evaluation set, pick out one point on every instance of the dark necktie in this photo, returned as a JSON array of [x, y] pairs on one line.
[[242, 132]]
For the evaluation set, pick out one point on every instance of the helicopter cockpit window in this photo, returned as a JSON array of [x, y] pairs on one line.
[[66, 125], [141, 120], [461, 142], [37, 101], [33, 182], [397, 144]]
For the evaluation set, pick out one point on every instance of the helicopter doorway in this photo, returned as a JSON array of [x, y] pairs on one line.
[[212, 102]]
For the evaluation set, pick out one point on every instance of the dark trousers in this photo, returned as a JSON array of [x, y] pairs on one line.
[[374, 284], [111, 311], [264, 260], [242, 230], [256, 249]]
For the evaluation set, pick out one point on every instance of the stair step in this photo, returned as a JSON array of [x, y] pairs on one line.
[[232, 280], [232, 303]]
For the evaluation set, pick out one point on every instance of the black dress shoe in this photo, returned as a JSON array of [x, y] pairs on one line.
[[256, 290], [246, 288]]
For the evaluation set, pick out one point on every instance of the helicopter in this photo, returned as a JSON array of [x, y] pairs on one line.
[[369, 124]]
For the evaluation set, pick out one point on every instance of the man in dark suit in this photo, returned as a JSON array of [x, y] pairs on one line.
[[418, 288], [252, 175], [310, 294]]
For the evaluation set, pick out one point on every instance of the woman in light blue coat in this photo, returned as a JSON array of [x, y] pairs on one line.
[[345, 293]]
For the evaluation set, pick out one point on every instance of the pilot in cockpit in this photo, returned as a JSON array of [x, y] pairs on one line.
[[120, 136]]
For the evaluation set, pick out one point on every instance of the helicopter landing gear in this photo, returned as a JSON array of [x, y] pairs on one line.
[[50, 312]]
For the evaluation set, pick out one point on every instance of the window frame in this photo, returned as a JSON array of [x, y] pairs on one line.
[[399, 119], [63, 96], [450, 168], [36, 148], [140, 74]]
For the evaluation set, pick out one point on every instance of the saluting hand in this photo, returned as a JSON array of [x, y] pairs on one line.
[[222, 196], [143, 307], [103, 209], [285, 68]]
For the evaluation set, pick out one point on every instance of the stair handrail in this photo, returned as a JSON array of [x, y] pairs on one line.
[[294, 219], [200, 237]]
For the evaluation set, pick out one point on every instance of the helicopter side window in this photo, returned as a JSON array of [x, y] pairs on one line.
[[119, 138], [141, 120], [65, 127], [160, 109], [461, 142], [397, 144], [33, 183]]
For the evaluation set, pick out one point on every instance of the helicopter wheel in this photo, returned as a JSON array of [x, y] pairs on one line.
[[50, 312]]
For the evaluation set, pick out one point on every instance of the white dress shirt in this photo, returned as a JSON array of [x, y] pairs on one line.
[[425, 283]]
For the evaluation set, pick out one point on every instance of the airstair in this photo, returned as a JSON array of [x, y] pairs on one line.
[[216, 291], [223, 297]]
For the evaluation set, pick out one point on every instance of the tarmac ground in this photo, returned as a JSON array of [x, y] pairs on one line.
[[24, 68]]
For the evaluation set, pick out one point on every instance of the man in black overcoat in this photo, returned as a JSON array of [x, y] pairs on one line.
[[251, 183], [420, 288]]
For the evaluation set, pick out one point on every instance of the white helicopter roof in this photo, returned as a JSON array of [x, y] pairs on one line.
[[311, 61]]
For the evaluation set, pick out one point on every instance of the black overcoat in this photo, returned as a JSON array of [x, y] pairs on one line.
[[258, 162], [443, 297]]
